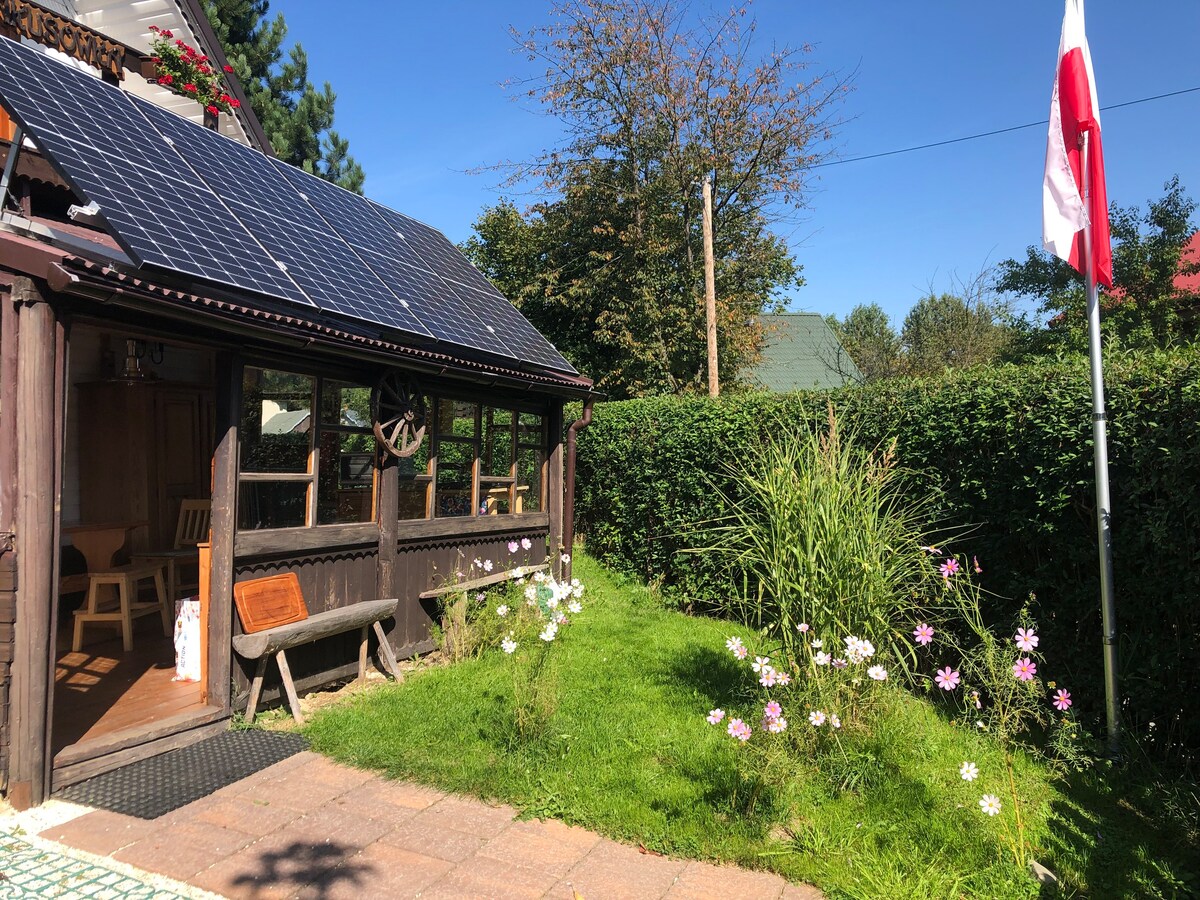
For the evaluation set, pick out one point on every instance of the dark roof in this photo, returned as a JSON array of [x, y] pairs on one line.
[[280, 242], [801, 352]]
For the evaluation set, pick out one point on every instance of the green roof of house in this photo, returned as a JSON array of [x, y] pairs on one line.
[[801, 352]]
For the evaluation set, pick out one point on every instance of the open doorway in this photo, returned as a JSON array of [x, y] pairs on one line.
[[129, 648]]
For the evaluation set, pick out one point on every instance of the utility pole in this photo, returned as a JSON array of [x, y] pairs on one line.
[[710, 292]]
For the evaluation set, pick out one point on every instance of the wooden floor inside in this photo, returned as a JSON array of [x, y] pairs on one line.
[[101, 689]]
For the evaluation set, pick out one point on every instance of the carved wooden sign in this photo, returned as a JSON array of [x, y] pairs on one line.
[[24, 19]]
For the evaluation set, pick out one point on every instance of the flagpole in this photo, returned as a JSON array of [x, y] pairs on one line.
[[1108, 611]]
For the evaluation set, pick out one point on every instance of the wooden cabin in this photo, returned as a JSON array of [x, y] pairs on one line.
[[326, 382]]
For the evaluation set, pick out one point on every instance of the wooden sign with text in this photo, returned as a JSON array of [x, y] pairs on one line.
[[24, 19]]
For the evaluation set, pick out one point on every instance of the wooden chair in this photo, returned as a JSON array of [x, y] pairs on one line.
[[191, 530], [127, 608]]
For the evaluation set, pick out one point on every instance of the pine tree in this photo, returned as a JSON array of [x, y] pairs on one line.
[[296, 116]]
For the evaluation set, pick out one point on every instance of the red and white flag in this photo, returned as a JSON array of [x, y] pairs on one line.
[[1074, 110]]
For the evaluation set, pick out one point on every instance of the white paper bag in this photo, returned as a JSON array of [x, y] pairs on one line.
[[187, 639]]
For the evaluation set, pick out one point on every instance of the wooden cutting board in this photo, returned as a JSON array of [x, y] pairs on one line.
[[267, 602]]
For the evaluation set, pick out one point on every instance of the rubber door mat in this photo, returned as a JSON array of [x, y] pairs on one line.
[[153, 787]]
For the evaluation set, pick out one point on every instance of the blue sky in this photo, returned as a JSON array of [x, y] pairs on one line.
[[420, 99]]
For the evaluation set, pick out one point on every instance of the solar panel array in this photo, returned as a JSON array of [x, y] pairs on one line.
[[181, 197]]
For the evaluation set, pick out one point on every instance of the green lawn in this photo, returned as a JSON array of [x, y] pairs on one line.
[[630, 755]]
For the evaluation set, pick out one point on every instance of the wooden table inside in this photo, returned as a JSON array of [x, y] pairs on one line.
[[99, 543]]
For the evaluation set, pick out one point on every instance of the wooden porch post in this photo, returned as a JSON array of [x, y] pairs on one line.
[[37, 593], [385, 514], [554, 490], [224, 524]]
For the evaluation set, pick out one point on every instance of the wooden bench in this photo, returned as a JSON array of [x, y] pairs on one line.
[[276, 619]]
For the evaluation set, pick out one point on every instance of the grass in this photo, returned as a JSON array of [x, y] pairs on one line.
[[628, 754]]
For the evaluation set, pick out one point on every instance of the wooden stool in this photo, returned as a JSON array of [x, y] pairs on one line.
[[125, 579]]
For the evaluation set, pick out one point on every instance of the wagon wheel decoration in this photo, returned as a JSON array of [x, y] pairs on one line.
[[398, 414]]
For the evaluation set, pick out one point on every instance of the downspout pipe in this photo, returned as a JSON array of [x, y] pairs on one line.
[[569, 500]]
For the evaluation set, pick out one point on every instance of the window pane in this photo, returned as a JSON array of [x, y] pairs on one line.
[[529, 477], [418, 463], [345, 478], [497, 499], [496, 453], [343, 403], [275, 422], [272, 504], [456, 418], [455, 464], [531, 429], [412, 499]]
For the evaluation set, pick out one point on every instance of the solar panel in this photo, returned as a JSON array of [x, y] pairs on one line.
[[183, 198], [103, 149], [491, 307], [356, 219], [270, 208]]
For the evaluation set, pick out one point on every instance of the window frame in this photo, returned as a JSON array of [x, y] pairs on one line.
[[317, 429]]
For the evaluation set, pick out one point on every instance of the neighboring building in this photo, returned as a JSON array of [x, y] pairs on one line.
[[186, 323], [801, 352]]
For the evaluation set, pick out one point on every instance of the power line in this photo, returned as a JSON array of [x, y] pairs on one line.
[[972, 137]]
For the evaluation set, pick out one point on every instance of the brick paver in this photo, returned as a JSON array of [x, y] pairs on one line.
[[310, 829]]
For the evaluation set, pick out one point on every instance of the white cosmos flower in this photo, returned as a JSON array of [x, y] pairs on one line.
[[502, 611], [575, 607], [508, 645], [879, 673], [817, 718], [817, 644], [990, 804], [822, 658], [969, 771]]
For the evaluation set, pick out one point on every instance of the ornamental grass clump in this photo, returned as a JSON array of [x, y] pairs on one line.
[[821, 535]]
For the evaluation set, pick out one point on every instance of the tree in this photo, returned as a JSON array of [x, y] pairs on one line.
[[868, 336], [1145, 307], [951, 331], [297, 118], [609, 266]]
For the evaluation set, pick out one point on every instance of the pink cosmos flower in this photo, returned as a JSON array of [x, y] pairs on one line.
[[768, 677], [1024, 669], [715, 716], [526, 544], [978, 567], [775, 726], [816, 718], [1062, 701], [773, 710], [739, 729], [947, 679], [923, 634], [840, 663], [802, 628], [1026, 639], [949, 567], [783, 679], [740, 652], [513, 546]]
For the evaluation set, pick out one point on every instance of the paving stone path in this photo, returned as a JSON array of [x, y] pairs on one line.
[[29, 871], [312, 829]]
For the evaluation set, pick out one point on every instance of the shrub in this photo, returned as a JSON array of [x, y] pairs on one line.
[[1005, 451]]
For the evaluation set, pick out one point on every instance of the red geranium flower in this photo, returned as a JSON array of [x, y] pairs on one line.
[[212, 109], [166, 79], [228, 69], [190, 88], [235, 102], [168, 35]]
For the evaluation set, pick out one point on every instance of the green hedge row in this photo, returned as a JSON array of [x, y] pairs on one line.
[[1006, 451]]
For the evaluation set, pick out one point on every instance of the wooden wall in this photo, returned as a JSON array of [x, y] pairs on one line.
[[341, 575], [8, 617]]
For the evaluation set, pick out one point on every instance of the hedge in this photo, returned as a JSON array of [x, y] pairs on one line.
[[1004, 452]]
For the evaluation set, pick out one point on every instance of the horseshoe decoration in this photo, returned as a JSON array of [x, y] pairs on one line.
[[398, 413]]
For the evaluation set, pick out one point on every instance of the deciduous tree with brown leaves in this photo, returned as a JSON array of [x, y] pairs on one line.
[[652, 97]]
